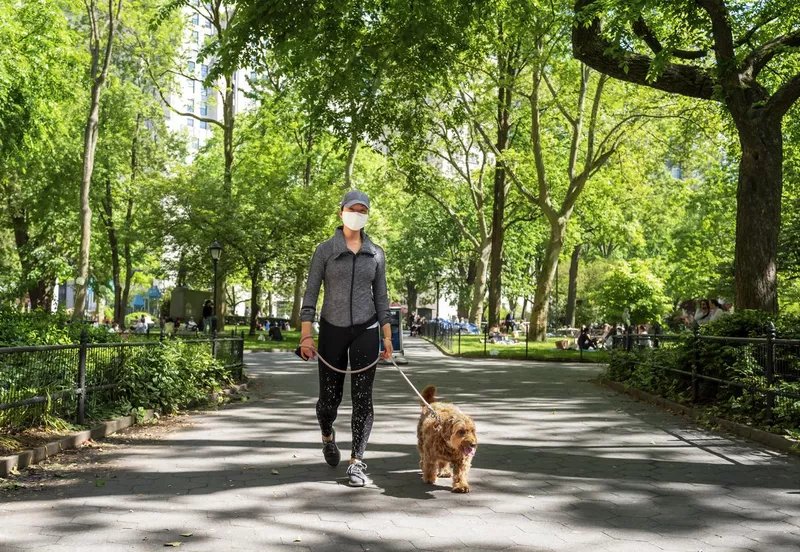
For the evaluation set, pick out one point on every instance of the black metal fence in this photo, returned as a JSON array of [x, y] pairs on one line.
[[68, 378], [759, 374], [450, 337]]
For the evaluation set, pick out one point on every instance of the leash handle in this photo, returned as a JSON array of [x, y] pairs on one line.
[[431, 411]]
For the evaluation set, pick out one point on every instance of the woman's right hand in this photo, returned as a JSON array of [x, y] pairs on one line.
[[306, 352]]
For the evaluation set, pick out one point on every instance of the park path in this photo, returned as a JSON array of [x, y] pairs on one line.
[[563, 464]]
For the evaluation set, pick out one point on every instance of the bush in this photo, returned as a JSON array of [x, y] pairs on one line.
[[20, 329], [739, 362], [172, 375]]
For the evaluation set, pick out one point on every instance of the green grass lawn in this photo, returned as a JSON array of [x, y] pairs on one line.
[[289, 343], [471, 346]]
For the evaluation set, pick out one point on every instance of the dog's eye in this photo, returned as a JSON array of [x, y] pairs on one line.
[[461, 432]]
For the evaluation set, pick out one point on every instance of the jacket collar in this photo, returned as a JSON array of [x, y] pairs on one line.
[[367, 247]]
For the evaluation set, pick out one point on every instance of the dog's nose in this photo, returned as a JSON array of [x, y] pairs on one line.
[[473, 445]]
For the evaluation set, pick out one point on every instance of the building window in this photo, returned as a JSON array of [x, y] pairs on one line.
[[204, 70], [203, 109], [203, 124], [189, 122], [206, 92], [196, 19], [190, 106], [195, 36], [195, 144], [191, 67], [253, 75]]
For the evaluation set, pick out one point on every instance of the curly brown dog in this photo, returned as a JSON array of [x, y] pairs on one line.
[[450, 443]]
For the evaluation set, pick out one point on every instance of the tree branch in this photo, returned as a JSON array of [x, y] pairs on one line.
[[755, 62], [472, 239], [560, 107], [644, 32], [783, 99], [590, 47], [720, 29]]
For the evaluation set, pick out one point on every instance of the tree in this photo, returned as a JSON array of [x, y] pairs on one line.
[[165, 70], [101, 42], [39, 58], [632, 291], [750, 74]]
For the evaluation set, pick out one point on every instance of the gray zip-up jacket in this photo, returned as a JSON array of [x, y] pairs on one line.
[[355, 284]]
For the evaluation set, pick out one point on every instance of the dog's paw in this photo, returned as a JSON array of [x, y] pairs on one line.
[[429, 479], [445, 473], [461, 488]]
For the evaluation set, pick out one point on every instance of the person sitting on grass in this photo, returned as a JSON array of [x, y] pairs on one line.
[[585, 342], [275, 333]]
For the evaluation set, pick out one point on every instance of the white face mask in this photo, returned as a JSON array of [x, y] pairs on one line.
[[354, 221]]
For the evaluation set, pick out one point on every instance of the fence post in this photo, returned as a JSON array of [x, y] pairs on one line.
[[459, 340], [769, 370], [161, 337], [485, 338], [656, 331], [82, 378], [695, 359]]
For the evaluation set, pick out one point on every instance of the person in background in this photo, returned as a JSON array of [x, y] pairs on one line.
[[584, 341], [208, 312]]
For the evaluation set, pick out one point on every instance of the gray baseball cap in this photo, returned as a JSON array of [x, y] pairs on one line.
[[354, 197]]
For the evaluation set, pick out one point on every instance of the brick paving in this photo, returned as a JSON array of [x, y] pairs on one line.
[[563, 464]]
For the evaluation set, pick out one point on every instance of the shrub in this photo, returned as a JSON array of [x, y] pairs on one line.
[[738, 362], [171, 375]]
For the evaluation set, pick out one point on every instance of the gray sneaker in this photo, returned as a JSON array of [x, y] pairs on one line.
[[331, 451], [356, 474]]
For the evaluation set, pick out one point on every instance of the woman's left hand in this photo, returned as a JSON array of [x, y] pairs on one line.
[[387, 348]]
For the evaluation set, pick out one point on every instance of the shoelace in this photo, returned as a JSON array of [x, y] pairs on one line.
[[356, 467]]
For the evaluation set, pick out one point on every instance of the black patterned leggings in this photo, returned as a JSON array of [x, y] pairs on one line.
[[335, 345]]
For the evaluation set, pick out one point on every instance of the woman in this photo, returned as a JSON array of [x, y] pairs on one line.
[[355, 306]]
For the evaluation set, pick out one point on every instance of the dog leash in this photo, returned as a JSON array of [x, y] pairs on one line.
[[430, 410]]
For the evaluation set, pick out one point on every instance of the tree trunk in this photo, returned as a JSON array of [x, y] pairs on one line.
[[299, 282], [90, 136], [758, 215], [351, 162], [89, 146], [524, 308], [544, 285], [269, 303], [113, 244], [572, 289], [37, 291], [126, 251], [308, 149], [255, 293], [500, 190], [479, 286], [411, 295], [228, 124]]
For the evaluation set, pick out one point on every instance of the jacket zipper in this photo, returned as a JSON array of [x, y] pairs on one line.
[[352, 282]]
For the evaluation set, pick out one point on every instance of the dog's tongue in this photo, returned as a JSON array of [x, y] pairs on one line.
[[468, 451]]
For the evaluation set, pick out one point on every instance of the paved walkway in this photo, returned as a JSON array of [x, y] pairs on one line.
[[562, 465]]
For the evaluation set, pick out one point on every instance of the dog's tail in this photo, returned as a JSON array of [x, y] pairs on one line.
[[429, 394]]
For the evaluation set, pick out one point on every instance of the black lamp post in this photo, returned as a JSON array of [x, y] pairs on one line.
[[216, 250]]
